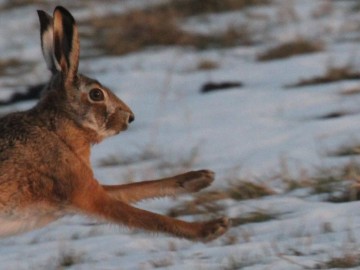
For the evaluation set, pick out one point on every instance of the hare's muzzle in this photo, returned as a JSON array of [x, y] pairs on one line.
[[131, 118], [119, 121]]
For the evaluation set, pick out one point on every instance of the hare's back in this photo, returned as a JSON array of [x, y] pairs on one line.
[[19, 141], [16, 130], [28, 149]]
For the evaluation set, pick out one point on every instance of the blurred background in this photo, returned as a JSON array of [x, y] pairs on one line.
[[264, 92]]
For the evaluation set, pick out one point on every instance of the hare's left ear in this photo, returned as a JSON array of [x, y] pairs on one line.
[[47, 41], [66, 43]]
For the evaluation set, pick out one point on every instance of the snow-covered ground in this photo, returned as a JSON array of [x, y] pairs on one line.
[[243, 133]]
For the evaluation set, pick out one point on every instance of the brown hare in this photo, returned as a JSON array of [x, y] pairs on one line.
[[45, 170]]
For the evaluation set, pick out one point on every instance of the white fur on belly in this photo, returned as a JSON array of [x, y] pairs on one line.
[[26, 220]]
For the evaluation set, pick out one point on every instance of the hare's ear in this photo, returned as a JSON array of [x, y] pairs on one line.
[[66, 43], [47, 40]]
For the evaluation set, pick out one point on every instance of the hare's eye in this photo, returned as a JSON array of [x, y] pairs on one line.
[[96, 94]]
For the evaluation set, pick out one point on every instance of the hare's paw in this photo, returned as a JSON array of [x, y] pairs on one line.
[[213, 229], [195, 180]]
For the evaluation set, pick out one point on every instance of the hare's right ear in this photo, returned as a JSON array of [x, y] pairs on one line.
[[47, 41], [66, 43]]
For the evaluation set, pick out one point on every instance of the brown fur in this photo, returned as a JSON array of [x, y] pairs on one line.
[[45, 169]]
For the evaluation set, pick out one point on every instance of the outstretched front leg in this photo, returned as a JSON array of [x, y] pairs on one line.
[[184, 183], [94, 201]]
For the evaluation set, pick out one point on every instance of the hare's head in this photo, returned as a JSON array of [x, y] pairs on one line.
[[84, 100]]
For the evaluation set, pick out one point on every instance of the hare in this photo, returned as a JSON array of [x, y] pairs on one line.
[[45, 170]]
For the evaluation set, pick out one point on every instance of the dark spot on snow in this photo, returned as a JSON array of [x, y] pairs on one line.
[[333, 115], [219, 86]]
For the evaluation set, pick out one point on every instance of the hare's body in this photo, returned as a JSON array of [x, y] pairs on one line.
[[35, 181], [45, 170]]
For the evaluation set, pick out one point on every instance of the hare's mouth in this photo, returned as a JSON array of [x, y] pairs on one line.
[[123, 128], [117, 122]]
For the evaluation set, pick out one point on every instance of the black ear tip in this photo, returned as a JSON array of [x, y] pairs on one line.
[[41, 13], [45, 20], [62, 10], [65, 13]]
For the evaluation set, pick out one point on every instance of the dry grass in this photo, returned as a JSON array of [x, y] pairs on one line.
[[202, 203], [207, 202], [118, 160], [20, 3], [336, 184], [124, 33], [195, 7], [291, 48], [346, 180], [346, 150], [137, 29], [68, 258], [332, 74], [348, 260], [350, 91], [328, 184], [162, 263], [9, 66], [254, 217], [332, 184], [341, 184], [206, 64], [244, 190]]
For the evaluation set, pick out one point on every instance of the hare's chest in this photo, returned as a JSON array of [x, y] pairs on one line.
[[24, 220]]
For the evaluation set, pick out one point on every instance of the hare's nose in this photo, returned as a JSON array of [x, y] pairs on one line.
[[131, 118]]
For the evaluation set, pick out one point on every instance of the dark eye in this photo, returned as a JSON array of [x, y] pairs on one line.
[[96, 94]]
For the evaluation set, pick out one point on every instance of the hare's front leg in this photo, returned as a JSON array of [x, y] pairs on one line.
[[188, 182], [99, 203]]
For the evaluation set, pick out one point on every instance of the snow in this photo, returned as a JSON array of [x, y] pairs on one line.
[[246, 132]]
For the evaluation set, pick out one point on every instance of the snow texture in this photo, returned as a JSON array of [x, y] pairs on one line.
[[247, 133]]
